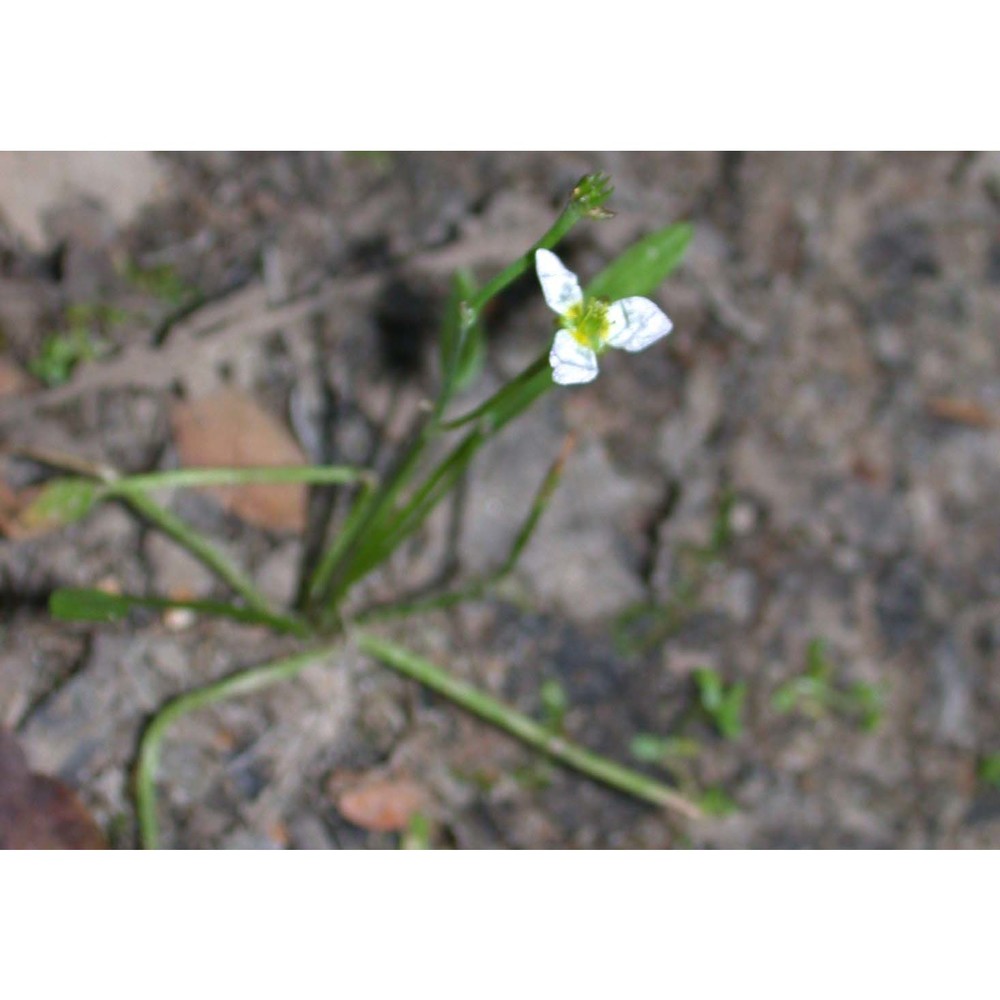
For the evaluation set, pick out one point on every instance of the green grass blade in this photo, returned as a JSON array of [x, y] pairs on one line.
[[91, 605], [394, 526], [342, 541], [530, 732], [462, 340], [271, 475], [478, 587], [172, 526], [511, 400], [241, 683]]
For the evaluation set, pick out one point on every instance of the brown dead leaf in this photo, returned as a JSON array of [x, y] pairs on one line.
[[14, 381], [383, 805], [867, 471], [38, 812], [229, 429], [13, 505], [279, 834], [961, 411]]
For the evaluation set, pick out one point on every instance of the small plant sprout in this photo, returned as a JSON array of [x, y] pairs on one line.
[[80, 340], [988, 769], [814, 692], [555, 704], [721, 702], [589, 326]]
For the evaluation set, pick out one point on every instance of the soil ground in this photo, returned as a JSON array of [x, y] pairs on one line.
[[830, 397]]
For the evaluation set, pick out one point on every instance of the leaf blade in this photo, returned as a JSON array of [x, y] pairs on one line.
[[92, 605], [644, 265]]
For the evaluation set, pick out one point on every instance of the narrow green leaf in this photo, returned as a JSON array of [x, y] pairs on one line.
[[641, 268], [91, 605], [385, 532], [87, 605], [463, 345], [271, 474], [236, 685], [451, 326], [199, 546], [510, 401], [476, 588], [393, 526], [523, 728], [538, 507], [471, 357]]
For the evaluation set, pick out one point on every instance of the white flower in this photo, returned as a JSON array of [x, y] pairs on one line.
[[590, 326]]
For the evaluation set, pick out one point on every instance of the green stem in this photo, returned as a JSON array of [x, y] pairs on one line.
[[371, 512], [569, 217], [236, 477], [244, 682], [527, 730], [201, 548]]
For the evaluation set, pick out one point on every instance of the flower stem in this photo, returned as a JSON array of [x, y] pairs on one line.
[[527, 730], [568, 218]]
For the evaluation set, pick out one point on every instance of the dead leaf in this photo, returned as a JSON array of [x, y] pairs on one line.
[[279, 834], [867, 471], [384, 805], [14, 381], [13, 504], [38, 812], [961, 411], [228, 429]]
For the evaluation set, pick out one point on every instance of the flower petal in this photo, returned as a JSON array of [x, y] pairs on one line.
[[635, 323], [572, 363], [559, 284]]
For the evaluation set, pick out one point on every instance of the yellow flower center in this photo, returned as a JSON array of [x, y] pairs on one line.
[[587, 323]]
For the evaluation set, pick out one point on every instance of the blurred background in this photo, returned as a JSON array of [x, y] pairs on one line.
[[771, 574]]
